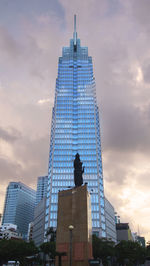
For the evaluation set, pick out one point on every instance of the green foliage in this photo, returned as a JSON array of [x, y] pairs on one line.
[[103, 249], [131, 252], [49, 248], [16, 250], [148, 249], [51, 234], [126, 252]]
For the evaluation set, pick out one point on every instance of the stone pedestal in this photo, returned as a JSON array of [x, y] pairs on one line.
[[74, 208]]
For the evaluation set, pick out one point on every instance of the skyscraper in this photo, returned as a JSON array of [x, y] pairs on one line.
[[39, 211], [41, 188], [19, 206], [75, 128]]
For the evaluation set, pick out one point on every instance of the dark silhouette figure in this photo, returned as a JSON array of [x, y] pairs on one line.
[[78, 171]]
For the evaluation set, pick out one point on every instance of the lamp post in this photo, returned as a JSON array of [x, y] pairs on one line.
[[71, 227]]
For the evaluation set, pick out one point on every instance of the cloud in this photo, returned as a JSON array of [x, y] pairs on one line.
[[8, 44], [9, 170], [9, 135], [130, 197], [140, 11], [146, 71], [120, 51], [27, 160], [43, 101], [117, 35], [129, 127]]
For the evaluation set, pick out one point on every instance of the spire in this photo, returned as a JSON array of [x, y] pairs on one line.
[[75, 33]]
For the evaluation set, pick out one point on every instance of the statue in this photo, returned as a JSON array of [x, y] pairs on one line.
[[78, 171]]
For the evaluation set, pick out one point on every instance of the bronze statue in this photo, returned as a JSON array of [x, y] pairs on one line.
[[78, 171]]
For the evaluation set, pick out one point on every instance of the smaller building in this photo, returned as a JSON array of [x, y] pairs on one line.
[[30, 232], [123, 232], [8, 226], [117, 218], [9, 231], [141, 240], [38, 222], [110, 221]]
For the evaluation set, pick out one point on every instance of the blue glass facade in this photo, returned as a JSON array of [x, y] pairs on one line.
[[41, 191], [19, 206], [75, 128]]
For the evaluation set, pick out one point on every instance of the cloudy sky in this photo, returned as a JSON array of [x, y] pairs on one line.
[[117, 32]]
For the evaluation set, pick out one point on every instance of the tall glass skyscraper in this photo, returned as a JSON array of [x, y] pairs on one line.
[[75, 128], [19, 206]]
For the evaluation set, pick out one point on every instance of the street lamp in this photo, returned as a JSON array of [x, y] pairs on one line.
[[71, 227]]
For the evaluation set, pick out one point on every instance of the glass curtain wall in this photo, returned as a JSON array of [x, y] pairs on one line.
[[19, 206], [75, 128]]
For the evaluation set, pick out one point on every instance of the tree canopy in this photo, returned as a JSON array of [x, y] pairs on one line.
[[126, 252], [131, 252], [16, 250]]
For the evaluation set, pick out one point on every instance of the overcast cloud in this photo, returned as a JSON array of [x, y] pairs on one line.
[[117, 33]]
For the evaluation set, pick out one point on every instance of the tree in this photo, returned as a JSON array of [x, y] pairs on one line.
[[124, 253], [148, 249], [49, 248], [16, 250], [130, 252], [102, 249], [51, 234]]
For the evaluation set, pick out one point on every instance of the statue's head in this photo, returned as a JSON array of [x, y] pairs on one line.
[[77, 156]]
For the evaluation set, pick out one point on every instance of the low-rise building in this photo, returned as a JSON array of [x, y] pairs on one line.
[[110, 221], [8, 226], [141, 240], [9, 231], [123, 232]]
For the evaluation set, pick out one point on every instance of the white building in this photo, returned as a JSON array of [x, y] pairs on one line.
[[8, 226], [9, 231]]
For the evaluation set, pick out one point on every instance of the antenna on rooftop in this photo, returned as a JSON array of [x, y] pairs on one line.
[[75, 33]]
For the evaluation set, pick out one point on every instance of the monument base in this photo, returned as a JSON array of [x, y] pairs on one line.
[[74, 227]]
